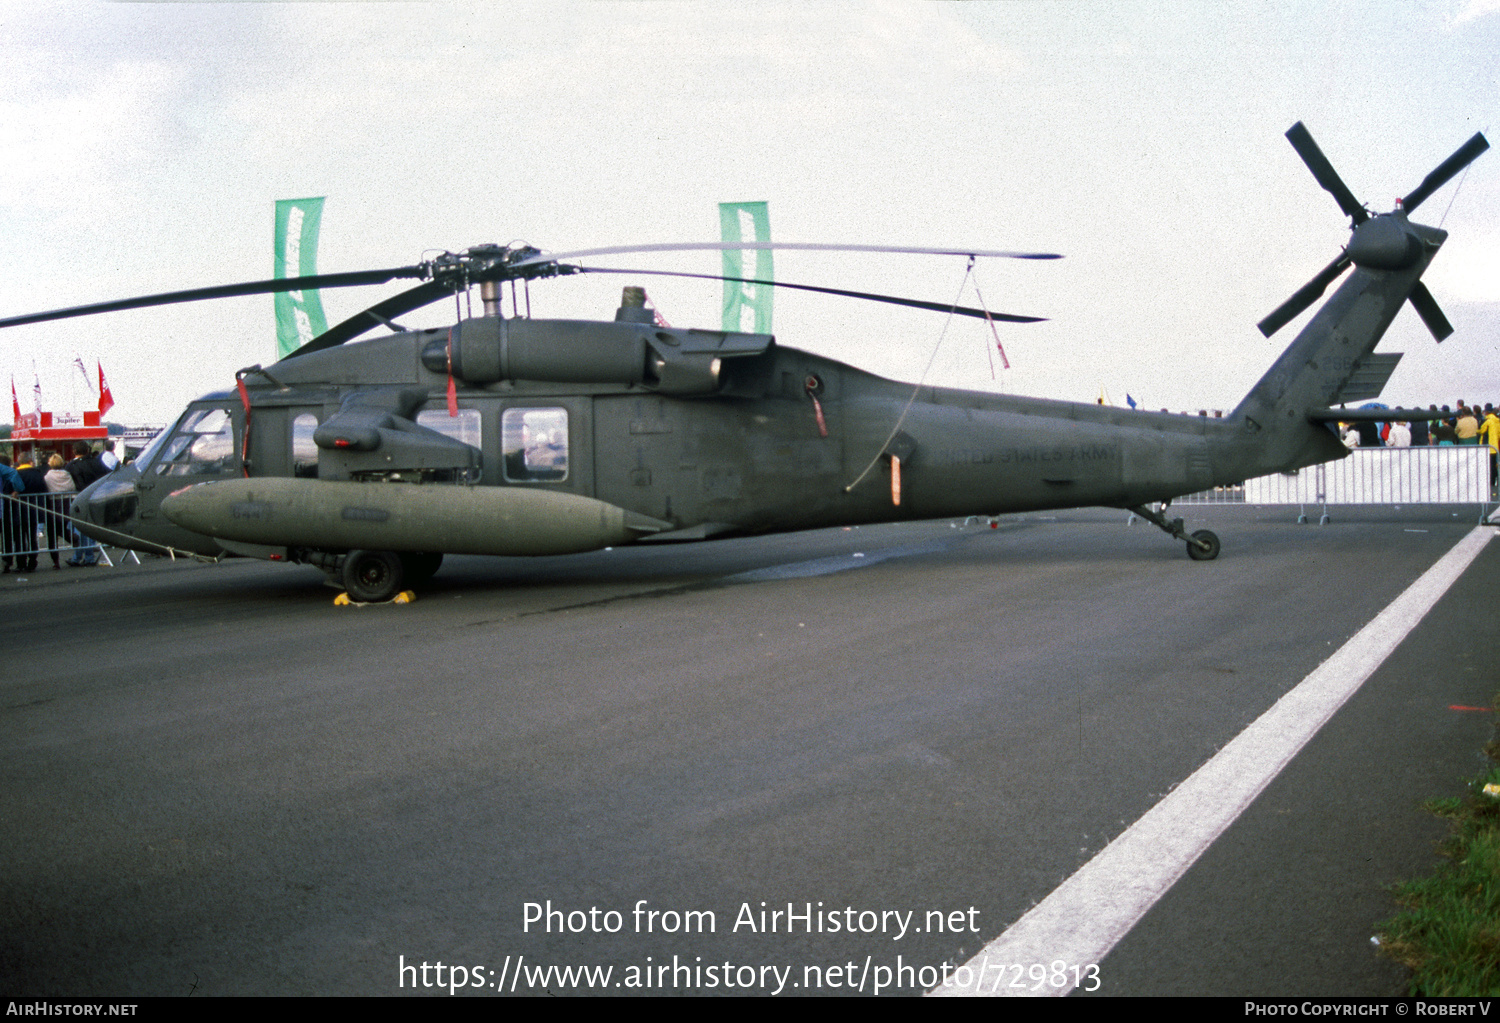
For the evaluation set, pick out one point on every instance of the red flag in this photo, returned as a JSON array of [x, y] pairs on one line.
[[15, 403], [106, 400]]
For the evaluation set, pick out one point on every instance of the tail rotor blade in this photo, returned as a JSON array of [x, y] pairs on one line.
[[1302, 141], [1446, 170], [1305, 296], [1427, 308], [1421, 299]]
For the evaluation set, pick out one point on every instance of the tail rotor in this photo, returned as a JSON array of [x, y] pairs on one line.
[[1376, 242]]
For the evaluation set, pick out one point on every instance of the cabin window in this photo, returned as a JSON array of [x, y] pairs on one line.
[[536, 444], [304, 451], [463, 427], [202, 446]]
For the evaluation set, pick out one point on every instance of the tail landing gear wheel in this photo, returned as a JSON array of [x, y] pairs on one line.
[[372, 577], [1201, 546], [1198, 553]]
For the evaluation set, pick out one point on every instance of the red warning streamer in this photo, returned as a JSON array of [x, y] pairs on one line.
[[452, 387], [239, 383], [812, 385]]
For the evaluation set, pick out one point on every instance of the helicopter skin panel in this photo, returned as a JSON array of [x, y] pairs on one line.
[[769, 463], [403, 517]]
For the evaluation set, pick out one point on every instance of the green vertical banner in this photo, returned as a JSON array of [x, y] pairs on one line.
[[299, 314], [747, 307]]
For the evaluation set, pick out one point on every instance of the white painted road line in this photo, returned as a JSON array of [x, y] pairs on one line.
[[1091, 911]]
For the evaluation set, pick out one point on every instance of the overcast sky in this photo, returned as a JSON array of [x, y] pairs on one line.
[[146, 144]]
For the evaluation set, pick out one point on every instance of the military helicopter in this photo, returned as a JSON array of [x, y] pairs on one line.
[[520, 436]]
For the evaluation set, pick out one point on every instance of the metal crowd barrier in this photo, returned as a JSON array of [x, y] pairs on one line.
[[36, 526], [1234, 494], [1392, 476]]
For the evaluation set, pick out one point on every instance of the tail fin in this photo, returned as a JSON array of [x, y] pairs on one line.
[[1313, 372], [1332, 359]]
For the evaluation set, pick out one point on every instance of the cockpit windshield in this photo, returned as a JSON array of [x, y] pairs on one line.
[[202, 444], [143, 460]]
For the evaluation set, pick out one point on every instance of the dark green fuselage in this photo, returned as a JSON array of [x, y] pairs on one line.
[[765, 438]]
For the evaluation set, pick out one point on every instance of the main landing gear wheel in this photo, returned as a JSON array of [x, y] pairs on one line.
[[1203, 553], [372, 577]]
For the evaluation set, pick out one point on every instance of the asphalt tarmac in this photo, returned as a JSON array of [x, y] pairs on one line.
[[814, 763]]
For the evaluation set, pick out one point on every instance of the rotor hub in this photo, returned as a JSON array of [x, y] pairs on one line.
[[1386, 242]]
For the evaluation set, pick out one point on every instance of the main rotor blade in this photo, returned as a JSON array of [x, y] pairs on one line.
[[396, 305], [803, 246], [940, 307], [311, 283], [1445, 170], [1427, 308], [1302, 141], [1305, 296]]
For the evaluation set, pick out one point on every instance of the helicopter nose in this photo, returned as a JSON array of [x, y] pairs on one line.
[[110, 501]]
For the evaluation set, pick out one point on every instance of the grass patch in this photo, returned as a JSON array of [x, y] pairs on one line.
[[1449, 931]]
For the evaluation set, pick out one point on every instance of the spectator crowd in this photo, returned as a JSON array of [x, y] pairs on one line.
[[37, 498]]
